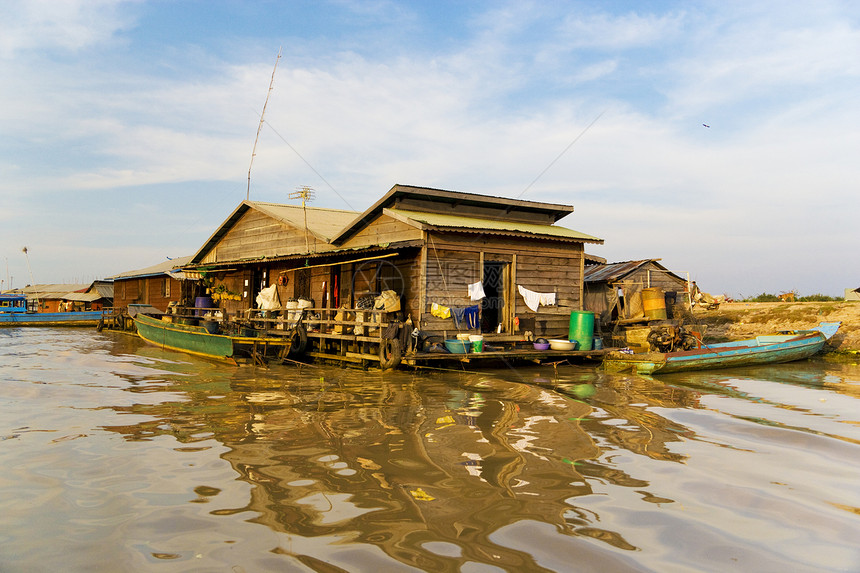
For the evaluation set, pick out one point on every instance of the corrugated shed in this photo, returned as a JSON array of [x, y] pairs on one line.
[[612, 272], [491, 226]]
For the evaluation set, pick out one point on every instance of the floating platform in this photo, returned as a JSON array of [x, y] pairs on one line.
[[519, 354]]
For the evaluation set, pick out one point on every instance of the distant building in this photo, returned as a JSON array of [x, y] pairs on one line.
[[158, 285], [69, 297]]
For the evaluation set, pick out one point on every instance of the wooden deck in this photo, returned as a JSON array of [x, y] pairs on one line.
[[334, 340], [516, 354]]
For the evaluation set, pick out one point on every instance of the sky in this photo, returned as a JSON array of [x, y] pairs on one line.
[[719, 137]]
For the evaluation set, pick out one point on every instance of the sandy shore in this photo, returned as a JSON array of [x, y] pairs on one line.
[[737, 320]]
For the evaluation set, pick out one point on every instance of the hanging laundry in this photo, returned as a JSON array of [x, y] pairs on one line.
[[472, 315], [458, 314], [535, 299], [440, 311], [467, 317], [476, 291]]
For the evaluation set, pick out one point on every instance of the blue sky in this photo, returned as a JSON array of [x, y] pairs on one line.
[[126, 127]]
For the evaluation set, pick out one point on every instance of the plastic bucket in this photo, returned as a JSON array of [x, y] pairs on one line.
[[202, 302], [654, 303], [477, 341], [581, 328]]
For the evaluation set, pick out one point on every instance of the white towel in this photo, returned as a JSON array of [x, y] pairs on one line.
[[476, 291], [535, 299]]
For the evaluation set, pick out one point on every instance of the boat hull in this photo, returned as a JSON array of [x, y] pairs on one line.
[[85, 318], [772, 349], [197, 340]]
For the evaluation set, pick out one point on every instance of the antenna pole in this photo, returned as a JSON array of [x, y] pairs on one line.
[[304, 193], [260, 127]]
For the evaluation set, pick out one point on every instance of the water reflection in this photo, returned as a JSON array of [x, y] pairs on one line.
[[397, 461], [431, 469], [799, 396], [186, 463]]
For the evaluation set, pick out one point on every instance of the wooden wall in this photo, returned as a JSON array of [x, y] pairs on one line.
[[456, 260], [257, 235], [383, 230], [147, 290], [398, 273]]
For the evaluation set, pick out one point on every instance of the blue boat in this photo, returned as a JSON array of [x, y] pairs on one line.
[[768, 349], [14, 311]]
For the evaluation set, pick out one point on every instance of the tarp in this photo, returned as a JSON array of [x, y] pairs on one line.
[[268, 298]]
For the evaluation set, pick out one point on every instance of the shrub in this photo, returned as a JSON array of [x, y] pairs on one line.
[[763, 297], [818, 298]]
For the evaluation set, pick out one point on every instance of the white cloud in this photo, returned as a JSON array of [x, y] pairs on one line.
[[487, 115], [48, 25]]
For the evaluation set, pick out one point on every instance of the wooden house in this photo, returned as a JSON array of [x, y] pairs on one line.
[[95, 297], [65, 297], [157, 286], [614, 290], [426, 245]]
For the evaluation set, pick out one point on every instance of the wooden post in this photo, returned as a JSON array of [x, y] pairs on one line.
[[422, 291], [513, 293], [582, 277]]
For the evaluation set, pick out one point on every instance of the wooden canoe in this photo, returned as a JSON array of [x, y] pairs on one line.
[[198, 340], [768, 349]]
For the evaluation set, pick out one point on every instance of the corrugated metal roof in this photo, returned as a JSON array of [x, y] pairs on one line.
[[616, 271], [452, 200], [321, 223], [478, 225], [154, 270], [324, 223], [54, 288], [104, 288], [82, 296], [383, 247]]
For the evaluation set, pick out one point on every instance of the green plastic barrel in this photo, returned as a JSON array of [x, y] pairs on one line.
[[582, 329]]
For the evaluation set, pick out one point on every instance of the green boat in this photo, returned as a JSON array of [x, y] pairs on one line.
[[769, 349], [183, 335]]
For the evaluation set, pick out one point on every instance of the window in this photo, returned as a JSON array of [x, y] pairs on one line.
[[302, 284]]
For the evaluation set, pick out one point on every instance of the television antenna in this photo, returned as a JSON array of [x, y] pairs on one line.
[[306, 194]]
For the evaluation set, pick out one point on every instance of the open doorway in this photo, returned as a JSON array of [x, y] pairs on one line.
[[493, 305]]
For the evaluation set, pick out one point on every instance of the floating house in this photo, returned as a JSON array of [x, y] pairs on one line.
[[456, 262], [157, 286]]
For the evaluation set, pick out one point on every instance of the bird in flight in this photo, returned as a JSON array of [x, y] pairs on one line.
[[706, 125]]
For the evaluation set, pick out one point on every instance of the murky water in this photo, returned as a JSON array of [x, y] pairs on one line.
[[115, 456]]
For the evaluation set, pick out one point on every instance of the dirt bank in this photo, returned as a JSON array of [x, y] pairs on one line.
[[737, 320]]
